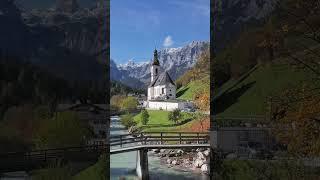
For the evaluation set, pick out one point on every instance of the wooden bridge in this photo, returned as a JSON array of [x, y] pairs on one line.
[[155, 140], [143, 142]]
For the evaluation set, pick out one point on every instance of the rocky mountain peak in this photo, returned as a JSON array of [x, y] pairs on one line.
[[175, 61]]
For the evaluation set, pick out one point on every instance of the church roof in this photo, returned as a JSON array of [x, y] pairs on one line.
[[162, 79]]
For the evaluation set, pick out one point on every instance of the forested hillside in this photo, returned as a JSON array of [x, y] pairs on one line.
[[266, 61], [118, 88], [195, 83], [23, 83]]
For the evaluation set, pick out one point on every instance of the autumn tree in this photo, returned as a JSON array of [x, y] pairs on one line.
[[202, 96], [295, 116], [301, 19], [116, 101]]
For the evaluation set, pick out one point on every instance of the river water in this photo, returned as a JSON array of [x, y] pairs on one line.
[[124, 164]]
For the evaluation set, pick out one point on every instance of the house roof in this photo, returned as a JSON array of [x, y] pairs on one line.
[[162, 79]]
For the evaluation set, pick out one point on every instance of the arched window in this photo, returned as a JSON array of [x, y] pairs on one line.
[[156, 71]]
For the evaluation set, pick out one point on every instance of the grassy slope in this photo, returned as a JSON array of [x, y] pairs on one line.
[[266, 80], [91, 172], [158, 121], [187, 92]]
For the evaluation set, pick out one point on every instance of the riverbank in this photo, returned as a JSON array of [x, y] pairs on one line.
[[193, 160], [123, 165]]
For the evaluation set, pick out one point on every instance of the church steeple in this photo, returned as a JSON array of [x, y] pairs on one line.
[[155, 67], [155, 58]]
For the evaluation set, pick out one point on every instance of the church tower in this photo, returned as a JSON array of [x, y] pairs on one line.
[[155, 67]]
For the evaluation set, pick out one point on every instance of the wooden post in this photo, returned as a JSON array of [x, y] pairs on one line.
[[180, 137], [142, 169], [161, 138], [198, 138], [120, 141], [45, 156]]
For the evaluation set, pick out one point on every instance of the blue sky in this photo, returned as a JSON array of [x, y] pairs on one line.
[[137, 26]]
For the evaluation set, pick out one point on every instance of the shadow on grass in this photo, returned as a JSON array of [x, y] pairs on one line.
[[227, 99], [180, 93], [168, 125]]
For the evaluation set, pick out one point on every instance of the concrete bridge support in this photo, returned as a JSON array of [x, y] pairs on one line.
[[142, 169]]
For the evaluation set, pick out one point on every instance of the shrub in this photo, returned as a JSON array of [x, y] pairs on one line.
[[127, 120], [175, 116], [144, 117]]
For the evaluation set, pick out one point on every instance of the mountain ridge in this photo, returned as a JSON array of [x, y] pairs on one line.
[[174, 60]]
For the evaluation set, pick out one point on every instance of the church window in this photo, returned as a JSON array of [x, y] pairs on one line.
[[156, 71], [162, 90], [170, 94]]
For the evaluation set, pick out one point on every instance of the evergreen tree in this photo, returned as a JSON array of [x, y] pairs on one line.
[[144, 117]]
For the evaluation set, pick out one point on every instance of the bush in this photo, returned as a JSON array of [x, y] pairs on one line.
[[175, 116], [127, 120], [144, 117], [129, 104]]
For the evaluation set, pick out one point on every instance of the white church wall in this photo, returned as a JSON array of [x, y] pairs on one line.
[[158, 91], [154, 72], [168, 106], [150, 93]]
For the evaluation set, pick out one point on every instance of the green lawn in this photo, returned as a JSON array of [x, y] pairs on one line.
[[158, 121]]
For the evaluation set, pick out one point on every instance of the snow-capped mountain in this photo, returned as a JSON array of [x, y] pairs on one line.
[[174, 60]]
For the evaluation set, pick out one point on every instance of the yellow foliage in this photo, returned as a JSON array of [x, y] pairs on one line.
[[299, 125]]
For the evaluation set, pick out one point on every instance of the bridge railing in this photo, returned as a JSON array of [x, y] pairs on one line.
[[159, 138], [50, 154]]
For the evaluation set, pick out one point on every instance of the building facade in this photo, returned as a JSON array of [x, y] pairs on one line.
[[162, 86], [162, 90]]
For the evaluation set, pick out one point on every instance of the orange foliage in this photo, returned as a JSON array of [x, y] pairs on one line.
[[297, 120], [202, 125], [202, 100]]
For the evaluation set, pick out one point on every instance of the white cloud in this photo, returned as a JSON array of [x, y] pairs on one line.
[[168, 41]]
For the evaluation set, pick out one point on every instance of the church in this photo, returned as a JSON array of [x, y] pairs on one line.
[[162, 86], [162, 90]]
